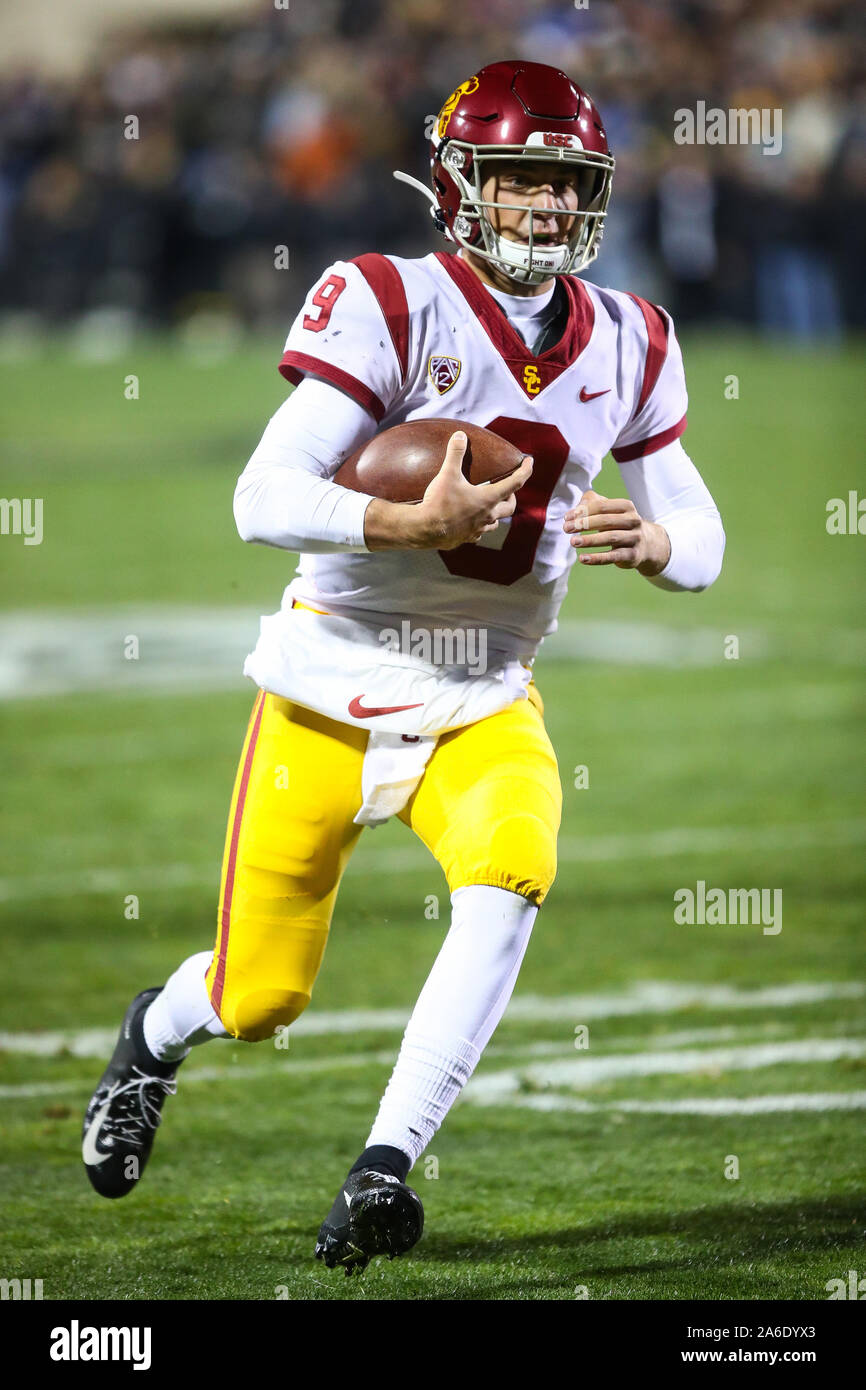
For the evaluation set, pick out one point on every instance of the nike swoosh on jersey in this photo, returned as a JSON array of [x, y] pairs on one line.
[[591, 395], [359, 711], [89, 1152]]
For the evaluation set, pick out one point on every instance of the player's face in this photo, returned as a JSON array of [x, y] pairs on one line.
[[552, 194]]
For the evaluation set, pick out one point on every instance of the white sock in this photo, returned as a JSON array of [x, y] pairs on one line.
[[182, 1016], [464, 998]]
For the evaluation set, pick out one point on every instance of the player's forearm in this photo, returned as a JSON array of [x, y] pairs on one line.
[[295, 510], [285, 496], [697, 541], [667, 489]]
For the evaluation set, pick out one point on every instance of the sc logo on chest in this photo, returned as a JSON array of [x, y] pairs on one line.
[[531, 380]]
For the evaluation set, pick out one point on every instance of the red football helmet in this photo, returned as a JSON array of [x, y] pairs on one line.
[[514, 111]]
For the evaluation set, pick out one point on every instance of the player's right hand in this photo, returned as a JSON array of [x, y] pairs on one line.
[[454, 511]]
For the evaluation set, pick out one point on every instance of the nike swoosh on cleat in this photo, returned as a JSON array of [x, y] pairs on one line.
[[359, 711], [89, 1152], [591, 395]]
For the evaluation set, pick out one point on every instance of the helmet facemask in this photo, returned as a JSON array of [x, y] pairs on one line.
[[534, 261]]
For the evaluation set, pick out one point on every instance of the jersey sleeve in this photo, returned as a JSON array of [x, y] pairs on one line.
[[660, 396], [353, 332], [668, 488], [285, 496]]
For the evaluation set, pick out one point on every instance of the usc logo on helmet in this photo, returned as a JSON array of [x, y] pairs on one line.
[[470, 85], [531, 380]]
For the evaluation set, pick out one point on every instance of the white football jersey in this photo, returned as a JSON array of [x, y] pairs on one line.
[[416, 339]]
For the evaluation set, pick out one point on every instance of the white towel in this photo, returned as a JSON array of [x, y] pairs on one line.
[[393, 766], [338, 667]]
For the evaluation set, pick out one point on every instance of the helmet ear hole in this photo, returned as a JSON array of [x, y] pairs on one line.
[[590, 184]]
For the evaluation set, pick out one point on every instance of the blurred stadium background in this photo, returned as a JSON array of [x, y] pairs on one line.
[[155, 258], [262, 125]]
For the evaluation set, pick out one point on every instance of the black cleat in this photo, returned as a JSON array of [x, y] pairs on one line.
[[374, 1214], [125, 1109]]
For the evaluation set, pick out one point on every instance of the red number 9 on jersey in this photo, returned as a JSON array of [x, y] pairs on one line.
[[325, 298]]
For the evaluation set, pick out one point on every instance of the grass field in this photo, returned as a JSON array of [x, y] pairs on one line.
[[560, 1170]]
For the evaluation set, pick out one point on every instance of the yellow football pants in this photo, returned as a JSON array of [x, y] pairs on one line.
[[488, 809]]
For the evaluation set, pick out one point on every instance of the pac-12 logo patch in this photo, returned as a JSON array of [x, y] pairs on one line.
[[443, 372]]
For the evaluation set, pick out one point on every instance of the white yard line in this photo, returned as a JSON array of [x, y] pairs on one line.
[[667, 996], [237, 1072], [186, 648], [99, 1042], [368, 861], [584, 1071], [724, 1105], [647, 997], [710, 839], [47, 653], [720, 1105], [506, 1087]]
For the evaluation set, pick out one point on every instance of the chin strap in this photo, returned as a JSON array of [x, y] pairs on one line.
[[435, 210]]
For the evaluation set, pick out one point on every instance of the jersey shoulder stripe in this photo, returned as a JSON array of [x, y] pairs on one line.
[[386, 282], [295, 365], [651, 357], [354, 306], [628, 452], [657, 347]]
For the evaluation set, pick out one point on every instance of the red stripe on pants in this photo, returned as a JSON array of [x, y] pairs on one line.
[[226, 908]]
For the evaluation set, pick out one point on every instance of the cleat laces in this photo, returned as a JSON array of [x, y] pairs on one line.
[[135, 1108]]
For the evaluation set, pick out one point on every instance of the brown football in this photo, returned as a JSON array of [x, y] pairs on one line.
[[398, 464]]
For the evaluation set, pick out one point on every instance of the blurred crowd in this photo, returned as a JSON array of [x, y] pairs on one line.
[[281, 127]]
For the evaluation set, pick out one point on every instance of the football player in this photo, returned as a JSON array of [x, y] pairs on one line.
[[500, 332]]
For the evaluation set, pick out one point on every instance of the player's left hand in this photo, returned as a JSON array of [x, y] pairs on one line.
[[635, 544]]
